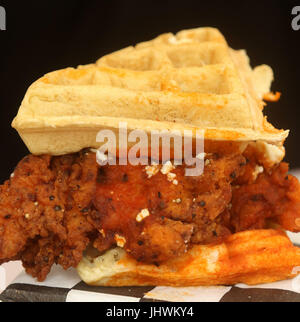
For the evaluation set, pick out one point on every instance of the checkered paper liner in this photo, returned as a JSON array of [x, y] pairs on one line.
[[66, 286]]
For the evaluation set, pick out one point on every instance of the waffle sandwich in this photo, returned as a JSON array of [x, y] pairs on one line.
[[152, 225]]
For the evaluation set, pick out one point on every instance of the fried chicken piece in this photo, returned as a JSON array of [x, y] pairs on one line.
[[43, 217], [53, 208], [178, 214], [274, 196]]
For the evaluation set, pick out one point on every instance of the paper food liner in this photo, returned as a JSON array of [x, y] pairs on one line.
[[66, 286]]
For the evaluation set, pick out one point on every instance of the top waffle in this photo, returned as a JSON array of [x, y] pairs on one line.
[[191, 80]]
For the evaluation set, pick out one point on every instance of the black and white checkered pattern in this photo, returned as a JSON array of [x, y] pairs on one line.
[[66, 286]]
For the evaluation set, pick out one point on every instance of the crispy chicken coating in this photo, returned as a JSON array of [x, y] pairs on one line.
[[42, 211], [274, 197], [53, 208], [179, 213]]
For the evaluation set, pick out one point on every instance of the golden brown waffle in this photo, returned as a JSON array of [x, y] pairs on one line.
[[191, 80], [252, 257]]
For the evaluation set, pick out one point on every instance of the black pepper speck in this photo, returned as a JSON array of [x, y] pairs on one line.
[[202, 203], [233, 175]]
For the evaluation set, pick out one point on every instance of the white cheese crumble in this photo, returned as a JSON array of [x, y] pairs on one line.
[[152, 169], [120, 240], [167, 167], [142, 215], [258, 169], [178, 200], [171, 176]]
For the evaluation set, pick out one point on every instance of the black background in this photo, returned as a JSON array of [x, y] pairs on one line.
[[42, 36]]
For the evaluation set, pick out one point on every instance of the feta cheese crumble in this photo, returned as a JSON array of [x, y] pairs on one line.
[[258, 169], [142, 215], [152, 169], [167, 167], [120, 240]]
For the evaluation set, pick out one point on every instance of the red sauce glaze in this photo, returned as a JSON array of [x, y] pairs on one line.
[[176, 211], [122, 192], [274, 196]]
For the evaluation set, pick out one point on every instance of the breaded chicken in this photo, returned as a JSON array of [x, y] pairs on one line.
[[54, 207]]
